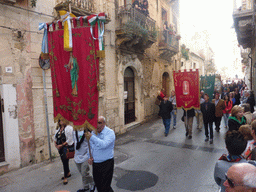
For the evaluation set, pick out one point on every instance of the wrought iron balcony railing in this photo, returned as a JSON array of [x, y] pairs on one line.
[[86, 5], [168, 39], [127, 13]]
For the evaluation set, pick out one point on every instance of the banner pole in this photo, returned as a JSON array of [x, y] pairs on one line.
[[186, 120], [46, 116]]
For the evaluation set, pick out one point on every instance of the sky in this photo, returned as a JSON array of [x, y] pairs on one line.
[[212, 21]]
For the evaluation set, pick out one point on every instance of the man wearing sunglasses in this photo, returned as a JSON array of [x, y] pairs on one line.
[[102, 155], [241, 177]]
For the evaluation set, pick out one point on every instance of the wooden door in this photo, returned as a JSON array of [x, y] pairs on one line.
[[165, 84], [129, 108]]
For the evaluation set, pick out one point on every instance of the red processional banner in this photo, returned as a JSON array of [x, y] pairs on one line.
[[75, 76], [187, 89]]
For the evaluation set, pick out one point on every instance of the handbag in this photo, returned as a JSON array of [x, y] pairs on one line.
[[69, 151]]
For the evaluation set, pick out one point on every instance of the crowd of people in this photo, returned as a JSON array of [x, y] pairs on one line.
[[142, 6], [234, 171], [90, 149]]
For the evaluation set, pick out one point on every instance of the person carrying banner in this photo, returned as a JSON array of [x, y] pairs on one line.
[[188, 117], [199, 115], [81, 160], [165, 112], [174, 111], [102, 159], [219, 107], [208, 110]]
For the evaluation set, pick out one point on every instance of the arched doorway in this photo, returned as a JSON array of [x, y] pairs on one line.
[[129, 96], [166, 83]]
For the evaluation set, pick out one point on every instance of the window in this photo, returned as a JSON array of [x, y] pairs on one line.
[[181, 64]]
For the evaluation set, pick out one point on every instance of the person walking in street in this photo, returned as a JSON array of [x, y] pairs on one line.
[[63, 138], [219, 107], [172, 99], [241, 177], [102, 158], [227, 110], [237, 97], [208, 110], [236, 119], [199, 115], [188, 117], [81, 160], [235, 144], [165, 112]]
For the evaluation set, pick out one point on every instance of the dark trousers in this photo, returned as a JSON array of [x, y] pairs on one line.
[[217, 122], [65, 163], [207, 131], [102, 175]]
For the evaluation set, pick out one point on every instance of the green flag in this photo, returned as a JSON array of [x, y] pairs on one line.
[[207, 85]]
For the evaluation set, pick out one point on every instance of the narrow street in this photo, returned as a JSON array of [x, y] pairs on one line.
[[145, 160]]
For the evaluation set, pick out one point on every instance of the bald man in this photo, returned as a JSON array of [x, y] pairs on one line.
[[241, 177], [102, 159]]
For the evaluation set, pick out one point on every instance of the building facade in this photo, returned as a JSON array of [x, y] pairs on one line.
[[192, 60], [138, 63], [244, 23]]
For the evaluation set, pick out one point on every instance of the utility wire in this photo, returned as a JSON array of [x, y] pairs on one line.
[[26, 9], [14, 29]]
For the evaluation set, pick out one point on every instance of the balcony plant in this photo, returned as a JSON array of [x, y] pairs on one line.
[[184, 52], [133, 30]]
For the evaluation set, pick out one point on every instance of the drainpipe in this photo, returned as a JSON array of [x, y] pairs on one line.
[[250, 69]]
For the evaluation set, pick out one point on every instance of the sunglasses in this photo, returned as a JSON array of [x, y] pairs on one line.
[[99, 122], [231, 183]]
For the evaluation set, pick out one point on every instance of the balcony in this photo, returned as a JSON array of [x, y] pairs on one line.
[[78, 7], [243, 23], [245, 56], [135, 31], [168, 44]]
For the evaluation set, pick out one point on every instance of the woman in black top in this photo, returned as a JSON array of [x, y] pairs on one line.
[[236, 119], [144, 7], [63, 138]]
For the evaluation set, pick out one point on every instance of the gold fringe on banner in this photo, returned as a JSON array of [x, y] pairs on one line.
[[85, 126], [101, 54]]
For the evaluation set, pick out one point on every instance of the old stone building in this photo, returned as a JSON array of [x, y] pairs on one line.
[[244, 24], [141, 53], [192, 60]]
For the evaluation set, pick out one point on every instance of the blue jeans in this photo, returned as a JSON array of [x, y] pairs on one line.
[[226, 115], [173, 115], [167, 123]]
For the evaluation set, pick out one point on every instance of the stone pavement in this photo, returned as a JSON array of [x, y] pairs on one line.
[[134, 150]]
